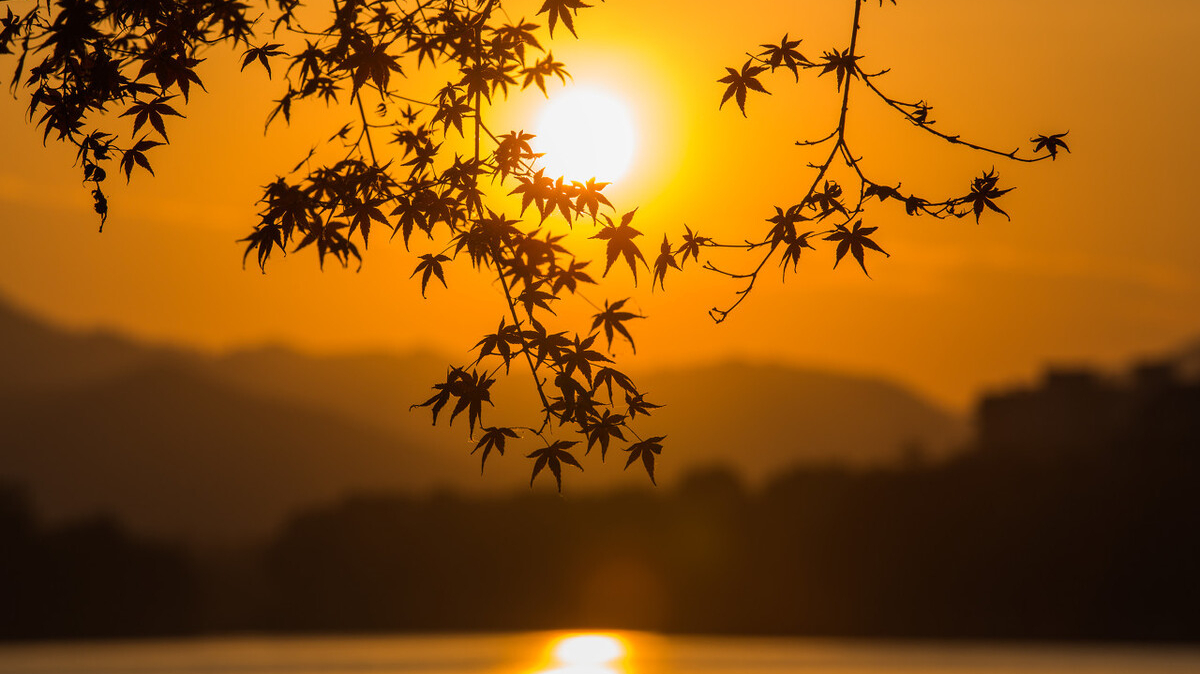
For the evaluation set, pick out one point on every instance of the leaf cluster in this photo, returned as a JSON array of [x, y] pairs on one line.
[[829, 210]]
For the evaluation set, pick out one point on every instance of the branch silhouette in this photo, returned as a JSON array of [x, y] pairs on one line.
[[392, 164], [828, 211]]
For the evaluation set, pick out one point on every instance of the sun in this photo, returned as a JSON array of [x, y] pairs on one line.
[[585, 133]]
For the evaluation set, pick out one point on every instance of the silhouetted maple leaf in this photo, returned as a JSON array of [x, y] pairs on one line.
[[785, 55], [493, 437], [431, 265], [570, 277], [562, 9], [664, 260], [370, 61], [612, 318], [588, 197], [472, 391], [784, 230], [262, 54], [580, 356], [792, 252], [739, 82], [884, 192], [638, 405], [531, 297], [841, 63], [329, 239], [500, 342], [553, 455], [984, 193], [515, 36], [854, 241], [692, 241], [607, 376], [620, 242], [361, 213], [602, 429], [914, 205], [1050, 144], [646, 450], [544, 68], [265, 239], [137, 155], [444, 390], [151, 111]]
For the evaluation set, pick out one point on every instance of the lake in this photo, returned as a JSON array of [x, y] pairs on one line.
[[579, 653]]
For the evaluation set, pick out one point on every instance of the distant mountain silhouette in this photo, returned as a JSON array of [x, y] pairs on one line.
[[177, 442], [171, 453]]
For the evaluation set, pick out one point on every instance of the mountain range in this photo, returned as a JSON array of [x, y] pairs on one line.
[[178, 443]]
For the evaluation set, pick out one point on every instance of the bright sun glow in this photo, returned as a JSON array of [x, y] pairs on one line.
[[585, 133], [588, 649]]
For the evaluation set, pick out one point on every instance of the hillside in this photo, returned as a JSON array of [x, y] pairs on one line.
[[180, 443]]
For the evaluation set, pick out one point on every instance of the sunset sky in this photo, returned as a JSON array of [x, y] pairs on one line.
[[1098, 265]]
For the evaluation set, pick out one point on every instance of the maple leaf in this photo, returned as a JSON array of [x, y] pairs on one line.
[[329, 239], [547, 67], [370, 62], [533, 190], [361, 213], [784, 230], [152, 112], [553, 455], [785, 55], [1050, 144], [739, 82], [692, 241], [664, 260], [841, 63], [451, 112], [444, 390], [638, 405], [493, 438], [588, 196], [137, 155], [646, 450], [559, 196], [262, 54], [431, 265], [500, 342], [984, 193], [884, 192], [169, 69], [828, 199], [472, 391], [265, 239], [580, 357], [549, 345], [602, 429], [854, 241], [515, 36], [575, 404], [612, 318], [562, 9], [914, 205], [607, 376], [793, 250], [620, 242], [532, 298], [569, 278]]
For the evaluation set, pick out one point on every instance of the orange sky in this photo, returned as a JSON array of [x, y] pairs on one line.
[[1098, 264]]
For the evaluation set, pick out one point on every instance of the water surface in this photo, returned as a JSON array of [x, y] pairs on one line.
[[533, 653]]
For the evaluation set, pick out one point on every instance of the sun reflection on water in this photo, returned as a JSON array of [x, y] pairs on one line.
[[588, 654]]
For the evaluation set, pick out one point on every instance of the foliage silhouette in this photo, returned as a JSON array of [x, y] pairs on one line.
[[826, 208], [398, 167]]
